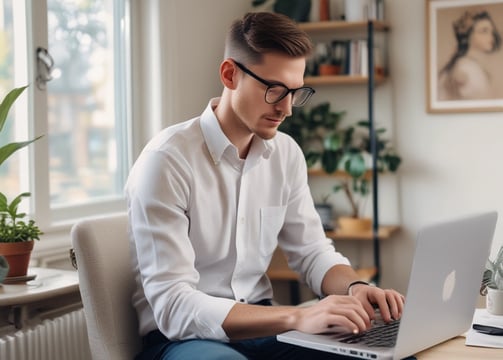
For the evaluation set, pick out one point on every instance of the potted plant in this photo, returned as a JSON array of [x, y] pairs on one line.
[[326, 144], [16, 235], [356, 163], [318, 133], [492, 284]]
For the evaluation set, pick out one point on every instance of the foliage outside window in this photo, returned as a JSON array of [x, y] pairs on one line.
[[80, 166]]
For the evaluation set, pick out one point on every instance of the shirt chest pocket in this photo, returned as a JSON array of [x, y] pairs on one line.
[[271, 222]]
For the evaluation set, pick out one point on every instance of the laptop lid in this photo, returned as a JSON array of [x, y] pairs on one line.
[[447, 269], [444, 282]]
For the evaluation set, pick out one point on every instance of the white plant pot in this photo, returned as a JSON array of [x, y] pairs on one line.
[[494, 301]]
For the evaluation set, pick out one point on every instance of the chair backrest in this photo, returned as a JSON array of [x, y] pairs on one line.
[[106, 284]]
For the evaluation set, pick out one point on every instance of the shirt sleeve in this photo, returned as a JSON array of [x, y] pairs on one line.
[[302, 239], [166, 258]]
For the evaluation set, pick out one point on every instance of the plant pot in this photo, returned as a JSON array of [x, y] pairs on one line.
[[494, 301], [17, 255], [352, 225], [328, 69]]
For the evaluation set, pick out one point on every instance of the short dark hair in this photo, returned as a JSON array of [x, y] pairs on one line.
[[260, 33]]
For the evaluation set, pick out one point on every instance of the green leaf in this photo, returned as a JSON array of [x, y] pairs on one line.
[[9, 149], [364, 187], [330, 160], [333, 141], [392, 162], [12, 207], [311, 158], [337, 187], [7, 103], [355, 165]]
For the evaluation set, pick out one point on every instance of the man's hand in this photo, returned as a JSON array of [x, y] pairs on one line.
[[389, 301], [340, 312]]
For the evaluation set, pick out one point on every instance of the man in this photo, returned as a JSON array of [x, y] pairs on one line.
[[209, 200]]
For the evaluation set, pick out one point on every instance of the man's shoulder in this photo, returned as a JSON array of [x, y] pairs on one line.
[[284, 140], [175, 135]]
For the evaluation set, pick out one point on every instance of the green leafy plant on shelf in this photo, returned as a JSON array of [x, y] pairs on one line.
[[356, 162], [317, 131], [13, 228], [324, 141]]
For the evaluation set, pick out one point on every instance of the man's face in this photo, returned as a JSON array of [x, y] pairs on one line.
[[255, 114]]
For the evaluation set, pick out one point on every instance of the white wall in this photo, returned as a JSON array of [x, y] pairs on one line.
[[179, 45], [451, 161], [450, 165]]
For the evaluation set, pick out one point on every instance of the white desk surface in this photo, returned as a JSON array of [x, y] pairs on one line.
[[49, 283]]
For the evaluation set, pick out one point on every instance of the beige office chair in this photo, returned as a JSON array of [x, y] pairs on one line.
[[106, 283]]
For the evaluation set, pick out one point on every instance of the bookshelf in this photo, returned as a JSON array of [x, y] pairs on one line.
[[334, 31]]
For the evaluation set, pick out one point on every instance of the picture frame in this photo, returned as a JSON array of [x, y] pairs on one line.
[[464, 55]]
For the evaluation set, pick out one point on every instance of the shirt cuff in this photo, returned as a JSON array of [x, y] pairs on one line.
[[210, 317], [324, 263]]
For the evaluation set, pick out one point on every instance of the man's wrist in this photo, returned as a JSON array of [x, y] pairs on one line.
[[358, 282]]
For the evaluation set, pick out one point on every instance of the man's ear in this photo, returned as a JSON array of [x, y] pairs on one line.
[[228, 74]]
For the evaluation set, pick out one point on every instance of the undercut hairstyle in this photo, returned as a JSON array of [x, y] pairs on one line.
[[260, 33]]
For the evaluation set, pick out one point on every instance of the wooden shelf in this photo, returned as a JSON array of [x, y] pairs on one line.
[[279, 270], [350, 26], [385, 232], [341, 80], [336, 174]]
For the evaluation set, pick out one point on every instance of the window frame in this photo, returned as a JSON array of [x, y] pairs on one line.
[[52, 219]]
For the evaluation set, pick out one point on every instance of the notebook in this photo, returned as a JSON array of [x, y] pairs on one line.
[[443, 289]]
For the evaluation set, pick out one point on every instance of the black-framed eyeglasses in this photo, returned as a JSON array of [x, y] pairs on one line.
[[276, 92]]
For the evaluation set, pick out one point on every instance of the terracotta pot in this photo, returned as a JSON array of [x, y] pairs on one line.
[[17, 255], [328, 69], [350, 224]]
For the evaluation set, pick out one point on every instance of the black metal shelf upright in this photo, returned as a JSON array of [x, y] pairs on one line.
[[374, 150]]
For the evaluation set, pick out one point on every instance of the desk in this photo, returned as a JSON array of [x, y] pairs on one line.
[[456, 349], [51, 293]]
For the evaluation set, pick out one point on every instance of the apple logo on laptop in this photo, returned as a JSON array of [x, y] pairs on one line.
[[449, 284]]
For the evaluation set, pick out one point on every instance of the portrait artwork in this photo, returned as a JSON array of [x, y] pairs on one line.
[[464, 51]]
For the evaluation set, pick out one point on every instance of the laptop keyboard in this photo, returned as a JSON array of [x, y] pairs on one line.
[[380, 335]]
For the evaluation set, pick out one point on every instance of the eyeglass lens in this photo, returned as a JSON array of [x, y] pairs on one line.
[[275, 93]]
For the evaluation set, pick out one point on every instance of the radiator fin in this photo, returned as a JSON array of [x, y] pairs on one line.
[[62, 338]]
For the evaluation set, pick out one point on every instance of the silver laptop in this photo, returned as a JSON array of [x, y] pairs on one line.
[[444, 283]]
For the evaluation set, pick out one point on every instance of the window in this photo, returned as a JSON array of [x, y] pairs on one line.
[[80, 165], [11, 46]]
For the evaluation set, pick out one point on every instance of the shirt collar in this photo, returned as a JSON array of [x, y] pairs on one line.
[[216, 140]]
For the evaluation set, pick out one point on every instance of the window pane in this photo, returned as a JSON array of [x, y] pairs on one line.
[[86, 125], [12, 72]]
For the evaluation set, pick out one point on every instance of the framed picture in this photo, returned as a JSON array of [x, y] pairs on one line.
[[464, 55]]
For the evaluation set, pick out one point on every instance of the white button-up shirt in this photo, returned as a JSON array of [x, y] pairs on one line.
[[205, 223]]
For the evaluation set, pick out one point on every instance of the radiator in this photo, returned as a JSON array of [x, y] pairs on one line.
[[61, 338]]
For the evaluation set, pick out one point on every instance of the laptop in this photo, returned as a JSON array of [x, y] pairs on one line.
[[444, 284]]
